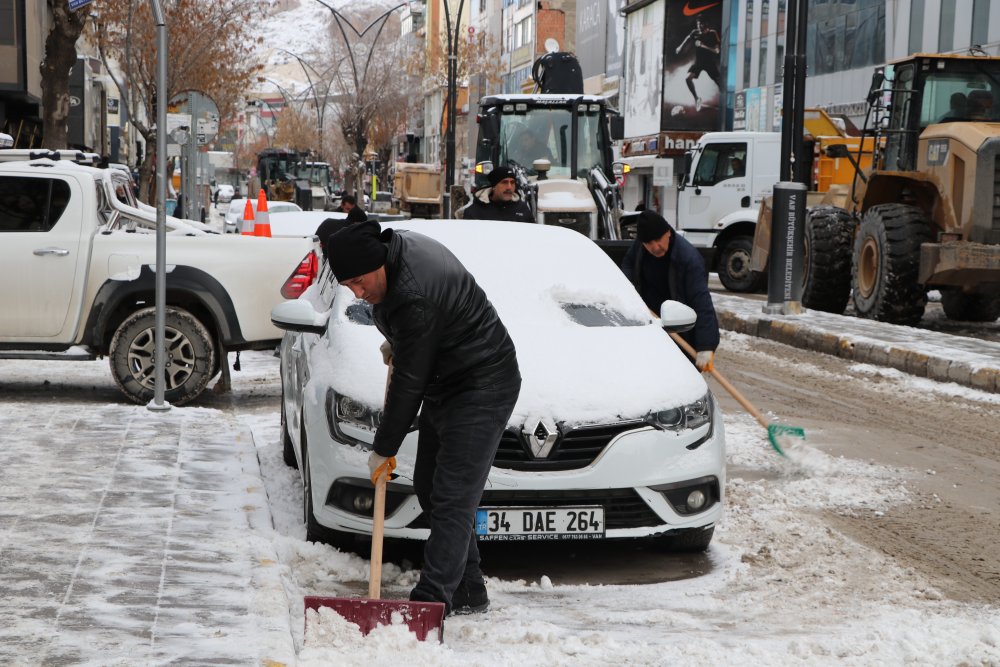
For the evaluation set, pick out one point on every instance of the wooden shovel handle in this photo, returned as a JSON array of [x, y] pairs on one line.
[[378, 530], [733, 391]]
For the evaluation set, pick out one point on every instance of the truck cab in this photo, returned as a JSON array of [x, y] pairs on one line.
[[727, 175], [560, 147]]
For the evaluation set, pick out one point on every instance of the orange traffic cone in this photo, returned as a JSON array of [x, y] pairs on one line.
[[263, 225], [247, 229]]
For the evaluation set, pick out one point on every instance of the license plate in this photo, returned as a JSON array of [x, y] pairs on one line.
[[539, 523]]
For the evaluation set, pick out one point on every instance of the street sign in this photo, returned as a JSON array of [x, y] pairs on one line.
[[663, 172], [76, 4]]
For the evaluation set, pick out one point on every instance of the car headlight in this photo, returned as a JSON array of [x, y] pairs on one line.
[[345, 414], [686, 417]]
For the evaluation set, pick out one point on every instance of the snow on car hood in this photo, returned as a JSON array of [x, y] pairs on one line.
[[544, 281]]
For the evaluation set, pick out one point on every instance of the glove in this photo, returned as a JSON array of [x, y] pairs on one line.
[[386, 349], [703, 361], [379, 465]]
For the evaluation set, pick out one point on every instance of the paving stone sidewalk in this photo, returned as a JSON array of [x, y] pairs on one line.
[[130, 537]]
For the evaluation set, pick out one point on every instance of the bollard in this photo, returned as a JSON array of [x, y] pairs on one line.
[[785, 270]]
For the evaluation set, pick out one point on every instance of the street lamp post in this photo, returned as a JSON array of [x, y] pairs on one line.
[[449, 177], [320, 107], [360, 124], [158, 403]]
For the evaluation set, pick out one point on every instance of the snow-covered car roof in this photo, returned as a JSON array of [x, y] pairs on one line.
[[588, 348], [300, 223]]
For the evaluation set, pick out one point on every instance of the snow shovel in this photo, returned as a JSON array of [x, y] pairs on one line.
[[422, 618], [783, 438]]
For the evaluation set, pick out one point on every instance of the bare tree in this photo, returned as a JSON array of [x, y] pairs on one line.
[[211, 51], [60, 56]]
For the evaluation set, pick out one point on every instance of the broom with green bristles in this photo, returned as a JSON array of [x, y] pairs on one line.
[[783, 438]]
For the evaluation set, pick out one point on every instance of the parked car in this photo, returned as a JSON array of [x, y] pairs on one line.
[[615, 434], [234, 216]]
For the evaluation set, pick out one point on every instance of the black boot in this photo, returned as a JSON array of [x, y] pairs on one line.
[[470, 598]]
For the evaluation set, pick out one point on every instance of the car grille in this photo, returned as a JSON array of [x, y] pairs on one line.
[[623, 508], [574, 449], [576, 220]]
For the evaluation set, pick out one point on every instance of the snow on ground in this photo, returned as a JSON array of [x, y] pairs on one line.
[[783, 587]]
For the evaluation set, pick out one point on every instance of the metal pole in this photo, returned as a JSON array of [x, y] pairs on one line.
[[788, 92], [160, 298], [800, 93]]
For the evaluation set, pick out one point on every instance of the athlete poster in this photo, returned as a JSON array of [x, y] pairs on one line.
[[692, 60]]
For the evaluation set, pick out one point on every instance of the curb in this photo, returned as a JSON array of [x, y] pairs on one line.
[[863, 350]]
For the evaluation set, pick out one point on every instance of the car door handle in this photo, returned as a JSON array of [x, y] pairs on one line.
[[59, 252]]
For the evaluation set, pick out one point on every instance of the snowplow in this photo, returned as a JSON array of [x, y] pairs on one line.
[[560, 149], [925, 214]]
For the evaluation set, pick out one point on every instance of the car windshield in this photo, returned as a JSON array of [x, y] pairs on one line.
[[598, 315]]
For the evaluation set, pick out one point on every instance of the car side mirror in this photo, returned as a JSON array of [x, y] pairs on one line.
[[300, 316], [675, 317]]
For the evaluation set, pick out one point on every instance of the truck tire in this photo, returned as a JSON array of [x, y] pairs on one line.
[[827, 271], [190, 354], [887, 263], [970, 307], [734, 266]]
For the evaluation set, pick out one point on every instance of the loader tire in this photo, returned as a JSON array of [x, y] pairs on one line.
[[887, 263], [734, 266], [190, 356], [970, 307], [827, 270]]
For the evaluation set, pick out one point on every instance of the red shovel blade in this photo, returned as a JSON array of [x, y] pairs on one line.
[[422, 618]]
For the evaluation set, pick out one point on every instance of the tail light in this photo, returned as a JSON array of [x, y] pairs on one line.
[[302, 277]]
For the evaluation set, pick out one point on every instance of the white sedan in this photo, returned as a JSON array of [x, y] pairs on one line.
[[234, 214], [615, 433]]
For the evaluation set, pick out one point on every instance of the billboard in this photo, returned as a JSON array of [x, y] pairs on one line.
[[692, 79], [591, 35]]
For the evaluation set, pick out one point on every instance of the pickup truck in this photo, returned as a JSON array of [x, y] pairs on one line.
[[77, 265]]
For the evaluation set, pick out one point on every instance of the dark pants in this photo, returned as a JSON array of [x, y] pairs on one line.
[[458, 440]]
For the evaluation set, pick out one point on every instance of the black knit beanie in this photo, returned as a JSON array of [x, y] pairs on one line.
[[498, 174], [651, 226], [357, 214], [356, 250]]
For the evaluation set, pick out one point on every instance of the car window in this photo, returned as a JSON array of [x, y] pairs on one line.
[[31, 204], [360, 312], [598, 315]]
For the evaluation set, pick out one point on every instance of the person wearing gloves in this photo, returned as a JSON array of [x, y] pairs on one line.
[[449, 350], [499, 201], [663, 265]]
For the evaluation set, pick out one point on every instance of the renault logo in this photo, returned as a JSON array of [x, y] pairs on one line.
[[541, 435]]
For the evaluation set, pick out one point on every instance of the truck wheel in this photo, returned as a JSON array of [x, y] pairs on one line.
[[190, 353], [734, 266], [970, 307], [827, 259], [887, 263]]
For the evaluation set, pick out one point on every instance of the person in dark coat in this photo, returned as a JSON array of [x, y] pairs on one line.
[[450, 351], [500, 201], [664, 265]]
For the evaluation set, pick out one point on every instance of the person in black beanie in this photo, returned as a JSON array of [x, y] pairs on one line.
[[664, 265], [500, 201], [333, 225], [449, 351]]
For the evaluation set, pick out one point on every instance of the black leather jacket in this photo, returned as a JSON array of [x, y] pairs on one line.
[[483, 208], [445, 334]]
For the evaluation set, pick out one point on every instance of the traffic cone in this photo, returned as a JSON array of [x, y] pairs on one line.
[[247, 229], [263, 225]]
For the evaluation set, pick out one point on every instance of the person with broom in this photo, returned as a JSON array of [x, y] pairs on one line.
[[449, 350], [664, 265]]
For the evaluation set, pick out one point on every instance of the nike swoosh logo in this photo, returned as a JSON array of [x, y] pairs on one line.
[[697, 10]]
